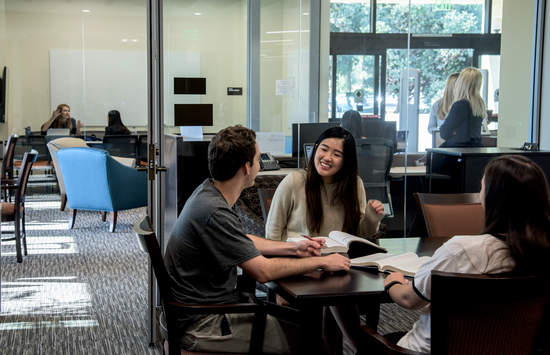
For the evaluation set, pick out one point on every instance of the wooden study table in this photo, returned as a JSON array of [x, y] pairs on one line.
[[311, 292]]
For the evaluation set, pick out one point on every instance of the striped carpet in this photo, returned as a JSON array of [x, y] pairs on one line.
[[84, 290], [78, 291]]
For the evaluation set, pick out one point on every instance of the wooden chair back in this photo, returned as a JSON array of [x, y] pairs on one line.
[[26, 165], [486, 314], [7, 160], [447, 215], [266, 197]]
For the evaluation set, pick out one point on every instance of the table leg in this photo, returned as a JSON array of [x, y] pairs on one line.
[[311, 339]]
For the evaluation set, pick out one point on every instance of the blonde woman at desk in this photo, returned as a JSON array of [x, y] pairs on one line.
[[61, 118], [515, 196], [328, 195], [441, 107]]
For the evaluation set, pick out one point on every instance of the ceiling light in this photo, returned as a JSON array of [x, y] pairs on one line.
[[197, 13], [134, 40], [305, 13], [85, 11], [125, 40]]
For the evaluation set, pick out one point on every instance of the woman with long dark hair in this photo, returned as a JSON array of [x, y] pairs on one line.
[[516, 199], [329, 195], [115, 125]]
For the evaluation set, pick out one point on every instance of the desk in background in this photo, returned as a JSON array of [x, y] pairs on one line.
[[311, 292], [465, 166]]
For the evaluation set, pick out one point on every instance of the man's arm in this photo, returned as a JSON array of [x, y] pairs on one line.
[[301, 249], [403, 294], [263, 269]]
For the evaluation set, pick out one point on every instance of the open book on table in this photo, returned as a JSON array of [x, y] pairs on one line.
[[341, 242], [407, 263]]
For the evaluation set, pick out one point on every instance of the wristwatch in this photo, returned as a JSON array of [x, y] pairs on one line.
[[391, 284]]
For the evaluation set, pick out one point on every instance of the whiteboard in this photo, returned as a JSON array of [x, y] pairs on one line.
[[93, 82]]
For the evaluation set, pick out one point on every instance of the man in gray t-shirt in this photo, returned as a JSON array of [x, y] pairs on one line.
[[208, 243]]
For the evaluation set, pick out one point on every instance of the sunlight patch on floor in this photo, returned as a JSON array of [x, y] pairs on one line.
[[34, 296]]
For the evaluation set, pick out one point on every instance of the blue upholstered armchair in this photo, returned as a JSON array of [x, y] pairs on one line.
[[96, 181]]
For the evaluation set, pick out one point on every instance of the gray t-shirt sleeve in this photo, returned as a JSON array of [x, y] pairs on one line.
[[225, 240]]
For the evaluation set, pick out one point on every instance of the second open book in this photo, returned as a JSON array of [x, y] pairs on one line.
[[407, 263], [364, 253]]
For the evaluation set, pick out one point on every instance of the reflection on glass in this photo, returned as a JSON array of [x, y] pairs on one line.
[[434, 66], [284, 64], [496, 17], [430, 16], [355, 84], [350, 16], [206, 39]]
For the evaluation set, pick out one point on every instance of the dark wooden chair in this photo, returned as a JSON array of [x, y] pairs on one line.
[[266, 196], [16, 211], [479, 314], [6, 172], [447, 215], [173, 309]]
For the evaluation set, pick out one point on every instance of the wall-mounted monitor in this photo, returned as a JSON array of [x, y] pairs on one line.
[[193, 115], [3, 96], [190, 86]]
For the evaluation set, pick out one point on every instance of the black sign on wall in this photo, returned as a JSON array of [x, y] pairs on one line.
[[234, 91]]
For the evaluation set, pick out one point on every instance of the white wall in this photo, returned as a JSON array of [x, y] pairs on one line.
[[217, 36], [515, 72]]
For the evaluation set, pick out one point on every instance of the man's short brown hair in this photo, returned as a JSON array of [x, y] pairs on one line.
[[229, 150]]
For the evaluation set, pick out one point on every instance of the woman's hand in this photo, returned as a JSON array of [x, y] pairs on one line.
[[377, 206], [396, 276]]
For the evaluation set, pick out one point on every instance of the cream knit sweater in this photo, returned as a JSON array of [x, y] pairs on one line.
[[287, 214]]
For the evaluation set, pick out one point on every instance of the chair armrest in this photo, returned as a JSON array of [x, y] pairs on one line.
[[282, 312], [215, 308], [377, 344], [10, 186], [9, 181]]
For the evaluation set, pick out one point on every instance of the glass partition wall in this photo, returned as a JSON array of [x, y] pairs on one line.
[[389, 60]]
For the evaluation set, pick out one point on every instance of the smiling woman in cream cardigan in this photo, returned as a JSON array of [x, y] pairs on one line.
[[328, 195]]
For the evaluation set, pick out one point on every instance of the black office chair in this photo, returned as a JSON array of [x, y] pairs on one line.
[[374, 159], [121, 146]]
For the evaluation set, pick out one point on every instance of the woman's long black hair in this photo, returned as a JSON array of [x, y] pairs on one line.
[[517, 207], [115, 122], [345, 193]]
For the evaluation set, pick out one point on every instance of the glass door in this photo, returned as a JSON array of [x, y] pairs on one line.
[[355, 85]]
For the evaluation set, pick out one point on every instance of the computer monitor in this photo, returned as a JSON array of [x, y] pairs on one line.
[[58, 132], [307, 133], [308, 149]]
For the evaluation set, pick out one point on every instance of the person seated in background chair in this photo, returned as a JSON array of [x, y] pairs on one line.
[[115, 125], [441, 107], [329, 195], [61, 118], [351, 121], [462, 126], [208, 243], [516, 199]]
